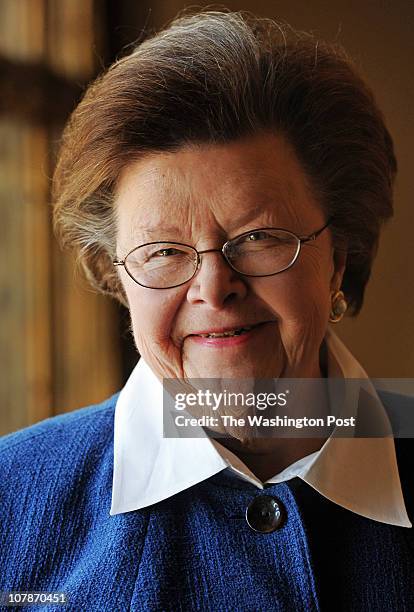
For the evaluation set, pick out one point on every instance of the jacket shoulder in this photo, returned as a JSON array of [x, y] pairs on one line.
[[63, 437]]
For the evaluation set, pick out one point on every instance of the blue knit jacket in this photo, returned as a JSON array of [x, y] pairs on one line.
[[193, 551]]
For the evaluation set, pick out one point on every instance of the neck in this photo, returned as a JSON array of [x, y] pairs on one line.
[[266, 457], [269, 457]]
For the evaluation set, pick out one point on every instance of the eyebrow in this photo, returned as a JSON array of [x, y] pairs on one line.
[[156, 229]]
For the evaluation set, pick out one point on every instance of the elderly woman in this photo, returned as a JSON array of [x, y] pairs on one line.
[[227, 182]]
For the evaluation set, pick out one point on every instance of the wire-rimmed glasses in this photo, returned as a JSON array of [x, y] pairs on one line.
[[264, 251]]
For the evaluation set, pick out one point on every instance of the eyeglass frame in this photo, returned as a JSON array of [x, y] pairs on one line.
[[300, 240]]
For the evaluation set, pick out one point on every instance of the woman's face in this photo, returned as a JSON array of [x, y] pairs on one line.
[[202, 196]]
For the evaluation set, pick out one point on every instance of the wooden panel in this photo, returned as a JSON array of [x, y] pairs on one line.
[[86, 343], [71, 37], [36, 279], [12, 353], [87, 363], [59, 339], [22, 28], [25, 384]]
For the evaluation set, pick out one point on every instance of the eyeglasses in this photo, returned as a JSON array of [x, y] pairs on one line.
[[265, 251]]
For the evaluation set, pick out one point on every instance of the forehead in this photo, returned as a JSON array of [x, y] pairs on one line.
[[228, 184]]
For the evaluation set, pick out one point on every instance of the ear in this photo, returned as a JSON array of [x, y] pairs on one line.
[[339, 260]]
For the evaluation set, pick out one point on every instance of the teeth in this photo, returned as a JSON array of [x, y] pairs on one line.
[[235, 332]]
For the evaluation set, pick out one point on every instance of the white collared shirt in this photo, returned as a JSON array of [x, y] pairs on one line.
[[359, 474]]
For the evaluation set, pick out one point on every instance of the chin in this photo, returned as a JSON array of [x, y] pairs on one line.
[[241, 370]]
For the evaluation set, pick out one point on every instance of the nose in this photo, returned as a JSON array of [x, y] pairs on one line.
[[216, 283]]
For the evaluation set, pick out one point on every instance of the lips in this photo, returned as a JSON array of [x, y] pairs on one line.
[[224, 332]]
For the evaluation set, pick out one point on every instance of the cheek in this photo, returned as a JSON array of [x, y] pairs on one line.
[[300, 303], [152, 314], [300, 300]]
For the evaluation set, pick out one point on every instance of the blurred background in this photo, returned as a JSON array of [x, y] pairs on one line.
[[62, 345]]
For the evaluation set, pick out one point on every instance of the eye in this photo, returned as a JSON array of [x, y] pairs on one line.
[[259, 235], [168, 252]]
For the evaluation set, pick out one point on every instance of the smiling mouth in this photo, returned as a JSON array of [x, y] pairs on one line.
[[238, 331], [235, 332]]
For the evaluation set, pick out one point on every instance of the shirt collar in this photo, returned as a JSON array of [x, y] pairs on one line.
[[149, 468]]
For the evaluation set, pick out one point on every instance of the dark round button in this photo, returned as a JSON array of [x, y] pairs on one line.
[[265, 514]]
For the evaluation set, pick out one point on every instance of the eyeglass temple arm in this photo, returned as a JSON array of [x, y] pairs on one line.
[[316, 234]]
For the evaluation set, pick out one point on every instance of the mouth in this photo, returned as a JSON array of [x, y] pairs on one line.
[[221, 334]]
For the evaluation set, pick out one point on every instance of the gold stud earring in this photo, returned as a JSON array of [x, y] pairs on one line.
[[338, 306]]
